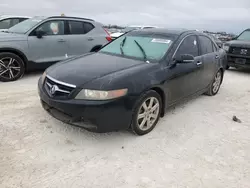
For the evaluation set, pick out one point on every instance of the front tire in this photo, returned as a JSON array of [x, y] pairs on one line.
[[214, 87], [11, 67], [146, 113]]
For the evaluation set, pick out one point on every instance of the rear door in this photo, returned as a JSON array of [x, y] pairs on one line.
[[183, 81], [52, 47], [210, 55], [79, 37]]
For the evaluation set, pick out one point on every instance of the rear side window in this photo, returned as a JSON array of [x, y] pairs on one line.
[[188, 46], [5, 24], [88, 27], [206, 45], [22, 19], [14, 21], [78, 27]]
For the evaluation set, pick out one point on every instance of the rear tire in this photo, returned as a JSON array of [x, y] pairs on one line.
[[146, 113], [11, 67], [214, 87]]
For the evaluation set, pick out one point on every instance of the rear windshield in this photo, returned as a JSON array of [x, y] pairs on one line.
[[155, 47]]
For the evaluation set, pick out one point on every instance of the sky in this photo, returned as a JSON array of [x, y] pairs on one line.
[[215, 15]]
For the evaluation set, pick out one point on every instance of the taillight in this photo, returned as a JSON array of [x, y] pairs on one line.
[[108, 37]]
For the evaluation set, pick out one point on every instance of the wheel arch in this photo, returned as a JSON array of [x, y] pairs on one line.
[[17, 52], [222, 72], [163, 98], [96, 47]]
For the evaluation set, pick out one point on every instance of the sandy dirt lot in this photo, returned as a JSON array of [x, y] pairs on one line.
[[195, 145]]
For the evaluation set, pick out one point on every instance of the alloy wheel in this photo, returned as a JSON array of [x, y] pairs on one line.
[[148, 113], [217, 82], [9, 68]]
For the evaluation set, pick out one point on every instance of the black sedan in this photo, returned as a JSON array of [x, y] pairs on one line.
[[131, 81]]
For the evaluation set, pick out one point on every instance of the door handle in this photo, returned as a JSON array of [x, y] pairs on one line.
[[90, 39], [216, 57], [199, 63], [61, 40]]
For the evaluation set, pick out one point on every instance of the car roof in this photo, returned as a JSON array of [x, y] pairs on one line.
[[163, 31], [13, 16], [141, 26], [72, 17]]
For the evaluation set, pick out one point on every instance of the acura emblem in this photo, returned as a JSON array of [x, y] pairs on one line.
[[53, 89], [243, 51]]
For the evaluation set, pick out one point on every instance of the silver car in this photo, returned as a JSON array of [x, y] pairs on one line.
[[8, 21], [40, 41]]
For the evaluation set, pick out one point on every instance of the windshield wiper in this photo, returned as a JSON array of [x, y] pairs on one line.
[[122, 44], [143, 51]]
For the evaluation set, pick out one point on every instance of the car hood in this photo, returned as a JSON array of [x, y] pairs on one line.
[[239, 43], [80, 70], [116, 34], [12, 36]]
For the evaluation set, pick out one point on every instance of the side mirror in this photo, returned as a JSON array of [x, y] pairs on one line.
[[40, 33], [184, 58]]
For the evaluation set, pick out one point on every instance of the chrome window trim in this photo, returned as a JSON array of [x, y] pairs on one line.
[[59, 82]]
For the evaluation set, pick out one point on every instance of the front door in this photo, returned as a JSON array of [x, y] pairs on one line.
[[52, 47], [182, 79]]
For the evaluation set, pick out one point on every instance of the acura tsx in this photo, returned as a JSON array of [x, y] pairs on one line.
[[130, 82]]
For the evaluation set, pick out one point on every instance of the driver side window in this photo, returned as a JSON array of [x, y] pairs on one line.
[[55, 27], [188, 46]]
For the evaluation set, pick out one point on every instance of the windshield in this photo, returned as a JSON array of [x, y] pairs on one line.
[[130, 29], [26, 25], [153, 48], [244, 36]]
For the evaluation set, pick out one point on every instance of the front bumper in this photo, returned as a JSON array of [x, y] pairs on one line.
[[232, 61], [96, 116]]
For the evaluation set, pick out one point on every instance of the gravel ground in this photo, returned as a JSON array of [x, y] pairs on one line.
[[195, 145]]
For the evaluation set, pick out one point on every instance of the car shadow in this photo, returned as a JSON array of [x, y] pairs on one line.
[[33, 73], [79, 133], [240, 70]]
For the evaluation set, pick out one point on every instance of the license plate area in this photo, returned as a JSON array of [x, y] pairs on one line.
[[240, 61]]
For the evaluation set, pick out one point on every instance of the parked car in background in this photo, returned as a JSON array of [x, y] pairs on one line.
[[126, 84], [39, 41], [130, 28], [217, 41], [238, 50], [113, 30], [8, 21]]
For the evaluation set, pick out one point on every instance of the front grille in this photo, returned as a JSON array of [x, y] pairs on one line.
[[240, 51], [57, 89]]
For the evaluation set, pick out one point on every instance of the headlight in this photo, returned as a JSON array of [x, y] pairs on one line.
[[88, 94], [43, 77], [225, 47]]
